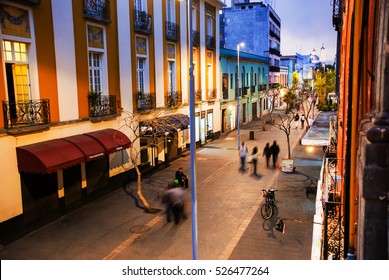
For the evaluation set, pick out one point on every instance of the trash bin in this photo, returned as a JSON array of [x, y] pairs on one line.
[[251, 135]]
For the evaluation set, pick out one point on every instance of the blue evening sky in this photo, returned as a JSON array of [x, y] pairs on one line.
[[305, 25]]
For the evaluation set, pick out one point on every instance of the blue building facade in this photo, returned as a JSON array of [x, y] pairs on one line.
[[259, 27], [253, 71]]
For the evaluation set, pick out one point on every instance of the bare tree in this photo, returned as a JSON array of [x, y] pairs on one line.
[[283, 122], [272, 94], [152, 126]]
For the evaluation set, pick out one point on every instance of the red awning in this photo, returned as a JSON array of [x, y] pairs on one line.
[[49, 156], [113, 140], [90, 147]]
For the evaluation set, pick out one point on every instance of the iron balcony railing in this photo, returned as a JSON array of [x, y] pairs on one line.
[[143, 22], [172, 31], [252, 89], [145, 101], [196, 38], [173, 99], [225, 94], [337, 15], [26, 113], [198, 97], [102, 105], [211, 94], [97, 9], [211, 42]]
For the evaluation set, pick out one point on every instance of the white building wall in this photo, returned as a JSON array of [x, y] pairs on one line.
[[11, 195], [65, 57], [124, 42], [158, 51], [184, 52]]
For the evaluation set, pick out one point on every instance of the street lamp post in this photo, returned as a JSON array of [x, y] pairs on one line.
[[241, 44], [192, 136]]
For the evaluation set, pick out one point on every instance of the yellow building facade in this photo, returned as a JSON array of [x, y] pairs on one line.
[[68, 71]]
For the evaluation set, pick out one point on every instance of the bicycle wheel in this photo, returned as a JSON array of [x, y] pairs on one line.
[[266, 211]]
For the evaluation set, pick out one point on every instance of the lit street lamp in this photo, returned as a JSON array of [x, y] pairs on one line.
[[241, 44]]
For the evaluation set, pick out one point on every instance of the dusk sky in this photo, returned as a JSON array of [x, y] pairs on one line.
[[305, 25]]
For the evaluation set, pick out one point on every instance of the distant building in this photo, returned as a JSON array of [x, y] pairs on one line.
[[259, 27], [294, 63], [253, 83]]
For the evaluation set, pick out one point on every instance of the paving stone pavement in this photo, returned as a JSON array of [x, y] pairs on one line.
[[229, 224]]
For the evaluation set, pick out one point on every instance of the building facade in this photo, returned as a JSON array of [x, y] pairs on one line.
[[265, 41], [253, 71], [68, 71], [355, 192]]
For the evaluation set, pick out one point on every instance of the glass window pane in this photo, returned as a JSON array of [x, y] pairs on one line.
[[16, 47]]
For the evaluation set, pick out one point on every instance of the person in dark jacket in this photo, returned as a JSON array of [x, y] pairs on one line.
[[267, 153], [182, 178], [275, 150]]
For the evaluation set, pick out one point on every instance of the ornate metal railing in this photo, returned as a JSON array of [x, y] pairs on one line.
[[26, 113], [145, 101], [337, 15], [196, 38], [211, 96], [211, 42], [261, 87], [198, 97], [252, 89], [172, 31], [33, 2], [173, 99], [142, 22], [225, 94], [102, 105], [333, 223], [97, 9]]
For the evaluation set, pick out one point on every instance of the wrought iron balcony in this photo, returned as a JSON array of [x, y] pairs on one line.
[[26, 113], [337, 15], [97, 10], [211, 42], [225, 94], [195, 38], [198, 97], [145, 101], [172, 31], [173, 99], [32, 2], [142, 22], [211, 95], [245, 90], [102, 105], [252, 89]]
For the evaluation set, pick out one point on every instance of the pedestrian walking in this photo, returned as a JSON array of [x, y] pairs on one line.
[[296, 121], [302, 119], [254, 160], [275, 150], [243, 151], [174, 200], [267, 153]]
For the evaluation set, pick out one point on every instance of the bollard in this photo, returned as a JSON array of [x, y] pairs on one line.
[[251, 135]]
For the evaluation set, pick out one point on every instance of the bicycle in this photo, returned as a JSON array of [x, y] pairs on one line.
[[267, 208]]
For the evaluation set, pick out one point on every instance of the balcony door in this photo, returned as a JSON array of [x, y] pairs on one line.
[[16, 67]]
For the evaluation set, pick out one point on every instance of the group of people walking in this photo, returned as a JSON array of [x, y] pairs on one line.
[[297, 118], [269, 151]]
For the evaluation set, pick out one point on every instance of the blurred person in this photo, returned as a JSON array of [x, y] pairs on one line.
[[267, 153], [243, 151], [182, 178], [275, 150]]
